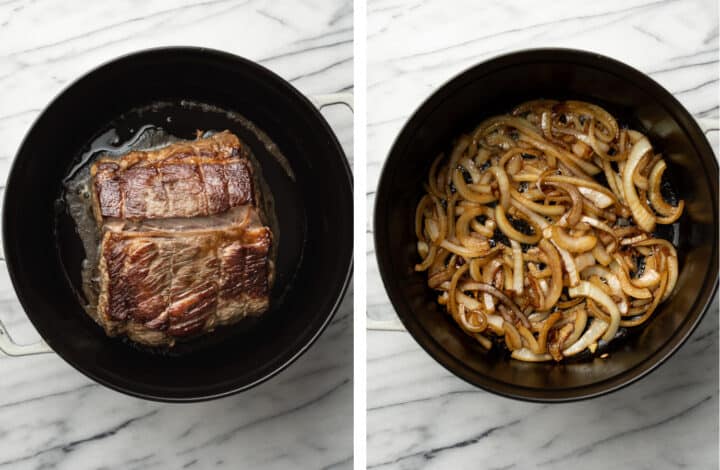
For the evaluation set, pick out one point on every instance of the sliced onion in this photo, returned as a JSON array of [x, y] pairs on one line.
[[433, 230], [480, 188], [462, 229], [649, 278], [572, 217], [503, 185], [584, 261], [601, 255], [581, 318], [488, 275], [598, 225], [591, 335], [599, 114], [672, 262], [469, 302], [529, 340], [463, 320], [610, 176], [601, 148], [583, 185], [627, 287], [518, 275], [661, 292], [534, 206], [669, 213], [471, 168], [420, 216], [463, 251], [671, 219], [524, 354], [640, 180], [498, 122], [484, 342], [586, 289], [504, 225], [488, 289], [464, 189], [536, 219], [513, 340], [598, 198], [544, 286], [547, 325], [452, 299], [635, 239], [654, 193], [428, 260], [575, 164], [642, 216], [613, 283], [569, 263], [495, 323], [572, 244], [482, 229], [482, 156], [422, 248], [556, 285]]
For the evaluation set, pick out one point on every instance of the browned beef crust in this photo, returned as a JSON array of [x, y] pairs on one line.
[[159, 285], [197, 178]]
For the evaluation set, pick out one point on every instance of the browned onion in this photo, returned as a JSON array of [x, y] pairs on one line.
[[506, 279]]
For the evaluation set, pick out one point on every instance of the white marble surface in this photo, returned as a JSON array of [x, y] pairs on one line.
[[421, 416], [52, 416]]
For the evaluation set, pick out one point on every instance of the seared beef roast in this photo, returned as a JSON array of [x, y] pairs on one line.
[[184, 247], [186, 179]]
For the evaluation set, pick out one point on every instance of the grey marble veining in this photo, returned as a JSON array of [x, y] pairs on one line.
[[52, 416], [422, 416]]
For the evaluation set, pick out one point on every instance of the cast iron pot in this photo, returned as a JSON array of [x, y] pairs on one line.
[[495, 87], [313, 202]]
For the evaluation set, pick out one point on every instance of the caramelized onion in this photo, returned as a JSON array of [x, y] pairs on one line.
[[513, 217], [585, 289], [556, 285], [505, 226], [517, 283], [572, 217], [591, 335], [488, 289], [572, 244], [533, 206], [618, 269], [578, 328], [642, 216]]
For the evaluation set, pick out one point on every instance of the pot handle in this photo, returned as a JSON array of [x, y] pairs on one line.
[[321, 101], [385, 325], [13, 349]]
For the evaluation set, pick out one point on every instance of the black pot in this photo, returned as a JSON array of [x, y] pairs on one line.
[[313, 201], [495, 87]]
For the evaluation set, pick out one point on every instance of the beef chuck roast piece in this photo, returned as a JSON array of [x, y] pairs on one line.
[[203, 177], [182, 252], [160, 285]]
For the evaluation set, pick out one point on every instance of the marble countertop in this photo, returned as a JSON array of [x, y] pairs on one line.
[[419, 414], [51, 416]]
